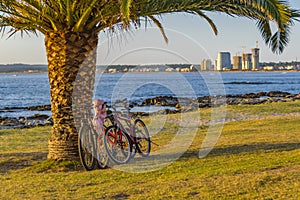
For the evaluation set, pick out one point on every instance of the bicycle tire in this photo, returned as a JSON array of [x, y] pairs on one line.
[[141, 138], [103, 159], [118, 147], [86, 147]]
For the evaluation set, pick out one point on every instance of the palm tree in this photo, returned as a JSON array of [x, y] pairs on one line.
[[71, 29]]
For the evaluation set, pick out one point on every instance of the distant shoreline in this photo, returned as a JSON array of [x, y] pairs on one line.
[[17, 73], [229, 71]]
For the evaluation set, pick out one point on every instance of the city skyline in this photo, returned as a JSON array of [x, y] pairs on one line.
[[240, 61], [190, 41]]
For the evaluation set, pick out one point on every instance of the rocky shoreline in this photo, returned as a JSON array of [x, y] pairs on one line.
[[25, 122], [177, 105]]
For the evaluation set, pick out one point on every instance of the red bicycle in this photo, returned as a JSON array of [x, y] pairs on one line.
[[126, 136]]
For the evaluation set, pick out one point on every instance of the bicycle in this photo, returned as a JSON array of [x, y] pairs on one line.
[[92, 153], [122, 143]]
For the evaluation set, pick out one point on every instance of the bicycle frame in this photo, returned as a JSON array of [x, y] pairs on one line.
[[124, 139], [128, 119]]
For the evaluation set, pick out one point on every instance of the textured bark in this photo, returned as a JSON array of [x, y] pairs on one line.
[[71, 70]]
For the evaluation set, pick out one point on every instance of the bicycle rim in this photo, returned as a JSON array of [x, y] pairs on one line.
[[141, 138], [102, 155], [117, 145], [86, 148]]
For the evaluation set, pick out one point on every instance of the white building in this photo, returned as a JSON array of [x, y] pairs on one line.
[[246, 61], [206, 65]]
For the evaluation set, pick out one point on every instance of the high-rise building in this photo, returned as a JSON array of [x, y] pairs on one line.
[[246, 61], [206, 65], [255, 58], [237, 63], [215, 64], [223, 61]]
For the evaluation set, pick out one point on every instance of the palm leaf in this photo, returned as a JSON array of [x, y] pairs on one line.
[[211, 23], [125, 9], [97, 15], [161, 28]]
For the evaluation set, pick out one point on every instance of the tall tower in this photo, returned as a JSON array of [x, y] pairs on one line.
[[255, 57], [206, 65], [237, 62], [246, 61], [223, 61]]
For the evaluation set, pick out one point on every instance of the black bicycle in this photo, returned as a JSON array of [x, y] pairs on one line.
[[91, 144]]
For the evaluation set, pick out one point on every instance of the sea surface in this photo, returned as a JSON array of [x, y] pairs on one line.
[[22, 90]]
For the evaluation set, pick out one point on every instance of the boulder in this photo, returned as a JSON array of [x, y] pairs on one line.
[[38, 117], [297, 96], [40, 107], [7, 121], [277, 94]]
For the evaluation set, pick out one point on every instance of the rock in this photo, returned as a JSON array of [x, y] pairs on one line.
[[49, 121], [262, 94], [297, 96], [277, 94], [21, 118], [251, 95], [38, 117], [160, 101], [6, 121], [40, 107]]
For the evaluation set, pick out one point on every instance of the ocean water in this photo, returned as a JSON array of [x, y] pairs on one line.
[[24, 90]]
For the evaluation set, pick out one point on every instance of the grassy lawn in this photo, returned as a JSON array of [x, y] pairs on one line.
[[255, 158]]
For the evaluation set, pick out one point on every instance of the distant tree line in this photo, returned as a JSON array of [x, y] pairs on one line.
[[280, 64], [41, 68], [23, 68]]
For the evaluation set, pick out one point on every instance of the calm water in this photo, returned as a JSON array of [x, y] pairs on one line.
[[33, 89]]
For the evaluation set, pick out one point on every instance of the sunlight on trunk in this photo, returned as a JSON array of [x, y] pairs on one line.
[[71, 67]]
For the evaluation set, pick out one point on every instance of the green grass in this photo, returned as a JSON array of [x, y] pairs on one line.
[[253, 159], [267, 109]]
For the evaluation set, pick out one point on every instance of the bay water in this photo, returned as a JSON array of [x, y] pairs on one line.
[[23, 90]]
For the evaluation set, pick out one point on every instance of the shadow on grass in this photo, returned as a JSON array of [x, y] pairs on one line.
[[15, 161], [35, 161], [246, 148]]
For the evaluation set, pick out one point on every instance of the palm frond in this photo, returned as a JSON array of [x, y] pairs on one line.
[[161, 28], [82, 21], [211, 23], [97, 15], [264, 11], [125, 10]]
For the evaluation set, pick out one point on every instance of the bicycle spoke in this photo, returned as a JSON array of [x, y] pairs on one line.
[[117, 144], [86, 148]]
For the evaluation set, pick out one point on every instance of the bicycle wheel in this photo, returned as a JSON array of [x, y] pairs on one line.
[[141, 138], [133, 146], [86, 147], [102, 158], [117, 145]]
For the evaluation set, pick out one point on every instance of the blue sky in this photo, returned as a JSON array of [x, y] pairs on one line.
[[190, 40]]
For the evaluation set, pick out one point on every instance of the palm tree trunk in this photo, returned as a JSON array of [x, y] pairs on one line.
[[71, 70]]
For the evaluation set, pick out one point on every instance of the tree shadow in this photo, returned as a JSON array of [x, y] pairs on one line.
[[246, 148], [15, 161]]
